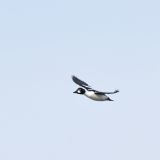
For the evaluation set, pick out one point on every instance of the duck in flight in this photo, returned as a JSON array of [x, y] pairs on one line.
[[87, 90]]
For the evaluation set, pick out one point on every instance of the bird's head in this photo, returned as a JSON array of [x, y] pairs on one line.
[[80, 91]]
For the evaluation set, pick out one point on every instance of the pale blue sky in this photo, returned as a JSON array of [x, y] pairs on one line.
[[109, 44]]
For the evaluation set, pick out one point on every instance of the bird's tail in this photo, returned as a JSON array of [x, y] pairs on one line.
[[108, 99]]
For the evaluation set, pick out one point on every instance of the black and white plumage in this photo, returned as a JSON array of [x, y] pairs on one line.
[[87, 90]]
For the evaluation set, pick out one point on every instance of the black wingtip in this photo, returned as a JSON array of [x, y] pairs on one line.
[[73, 76], [116, 91]]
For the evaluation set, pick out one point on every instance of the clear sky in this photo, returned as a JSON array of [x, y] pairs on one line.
[[110, 45]]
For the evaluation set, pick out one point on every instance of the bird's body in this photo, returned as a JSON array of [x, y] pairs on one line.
[[91, 93], [96, 97]]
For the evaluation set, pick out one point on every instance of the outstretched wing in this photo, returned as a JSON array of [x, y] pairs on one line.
[[81, 83], [97, 92], [89, 88]]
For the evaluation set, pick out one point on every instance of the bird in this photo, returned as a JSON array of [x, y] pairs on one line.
[[87, 90]]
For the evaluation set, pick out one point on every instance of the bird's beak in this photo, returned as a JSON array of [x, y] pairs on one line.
[[75, 92]]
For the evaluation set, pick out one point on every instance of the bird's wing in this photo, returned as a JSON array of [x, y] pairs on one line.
[[88, 87], [98, 92], [81, 83]]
